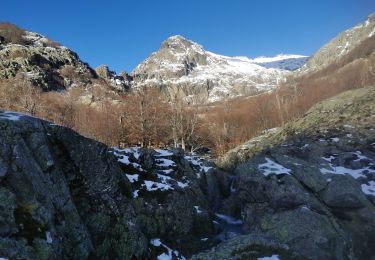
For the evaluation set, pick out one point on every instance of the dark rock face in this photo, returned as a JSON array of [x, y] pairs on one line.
[[304, 208], [63, 195]]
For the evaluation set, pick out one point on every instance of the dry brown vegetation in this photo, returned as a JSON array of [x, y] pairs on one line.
[[13, 34], [146, 118], [234, 122]]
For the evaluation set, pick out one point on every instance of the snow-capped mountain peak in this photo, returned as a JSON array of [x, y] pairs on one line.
[[185, 66]]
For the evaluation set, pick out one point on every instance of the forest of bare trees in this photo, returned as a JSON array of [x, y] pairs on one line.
[[146, 118]]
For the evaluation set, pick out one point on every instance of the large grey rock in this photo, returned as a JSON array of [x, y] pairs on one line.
[[316, 187], [344, 192], [63, 195]]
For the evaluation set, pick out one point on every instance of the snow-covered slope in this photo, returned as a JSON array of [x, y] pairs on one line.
[[184, 68], [282, 61]]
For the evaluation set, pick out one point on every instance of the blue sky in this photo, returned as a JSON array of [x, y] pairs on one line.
[[123, 33]]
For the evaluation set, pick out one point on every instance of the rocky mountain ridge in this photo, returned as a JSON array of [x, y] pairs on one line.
[[340, 45], [47, 65]]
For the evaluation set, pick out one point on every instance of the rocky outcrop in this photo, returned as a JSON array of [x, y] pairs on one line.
[[119, 82], [63, 195], [308, 187], [46, 65]]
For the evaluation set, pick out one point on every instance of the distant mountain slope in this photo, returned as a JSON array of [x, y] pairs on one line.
[[183, 66], [341, 45]]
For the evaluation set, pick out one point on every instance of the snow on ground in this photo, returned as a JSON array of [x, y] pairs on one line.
[[198, 210], [166, 175], [362, 172], [355, 173], [153, 186], [360, 156], [229, 220], [135, 194], [10, 116], [369, 188], [162, 162], [169, 253], [132, 177], [271, 167], [123, 158], [48, 237], [272, 257], [197, 163], [163, 152], [337, 169], [182, 185], [134, 150]]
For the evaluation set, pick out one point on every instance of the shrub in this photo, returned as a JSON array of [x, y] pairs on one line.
[[12, 34]]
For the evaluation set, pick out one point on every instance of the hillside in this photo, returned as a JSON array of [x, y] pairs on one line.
[[341, 45]]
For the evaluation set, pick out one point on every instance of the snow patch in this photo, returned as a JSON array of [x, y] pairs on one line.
[[163, 152], [132, 177], [182, 185], [369, 189], [135, 194], [198, 210], [48, 238], [170, 254], [272, 257], [153, 186], [357, 173], [229, 220], [162, 162], [10, 116], [271, 167]]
